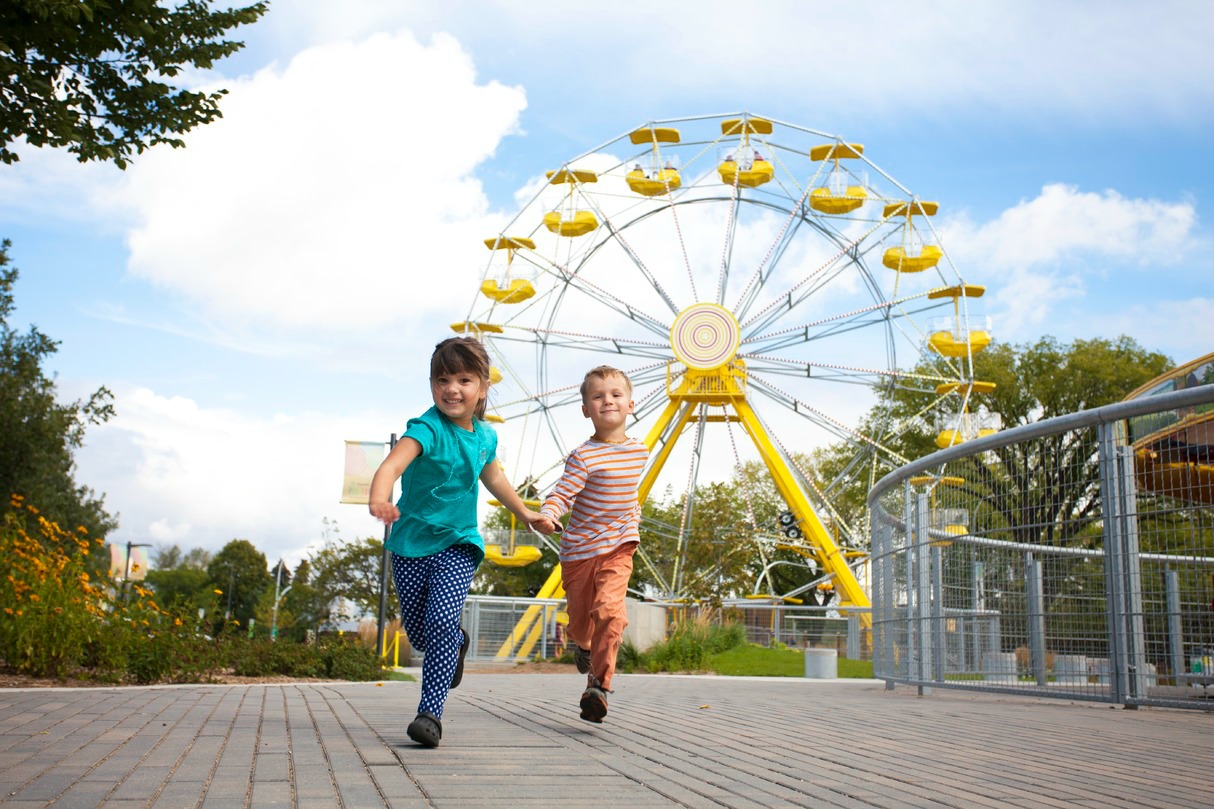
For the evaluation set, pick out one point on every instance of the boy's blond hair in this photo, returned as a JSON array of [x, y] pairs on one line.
[[604, 372]]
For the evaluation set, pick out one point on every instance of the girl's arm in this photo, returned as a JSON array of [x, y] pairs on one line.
[[495, 481], [380, 502]]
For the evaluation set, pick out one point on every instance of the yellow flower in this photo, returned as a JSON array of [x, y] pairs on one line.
[[8, 610], [218, 592], [176, 622], [80, 529], [35, 597]]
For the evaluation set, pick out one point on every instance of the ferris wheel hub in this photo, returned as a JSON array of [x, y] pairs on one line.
[[705, 336]]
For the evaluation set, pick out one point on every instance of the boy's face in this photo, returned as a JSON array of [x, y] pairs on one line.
[[457, 395], [607, 402]]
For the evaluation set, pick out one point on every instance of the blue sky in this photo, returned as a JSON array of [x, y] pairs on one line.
[[275, 287]]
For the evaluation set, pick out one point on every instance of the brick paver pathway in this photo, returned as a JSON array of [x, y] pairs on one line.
[[515, 740]]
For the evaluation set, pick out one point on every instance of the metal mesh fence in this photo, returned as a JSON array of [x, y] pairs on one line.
[[1073, 557]]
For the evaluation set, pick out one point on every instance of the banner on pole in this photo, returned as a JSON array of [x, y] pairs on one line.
[[362, 459], [134, 569]]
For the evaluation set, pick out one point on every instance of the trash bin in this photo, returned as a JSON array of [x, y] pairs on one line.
[[821, 664]]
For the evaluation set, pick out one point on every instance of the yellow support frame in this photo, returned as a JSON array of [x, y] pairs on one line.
[[720, 387]]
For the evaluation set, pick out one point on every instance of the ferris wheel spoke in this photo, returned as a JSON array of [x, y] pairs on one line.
[[813, 414], [639, 263], [874, 314], [554, 339]]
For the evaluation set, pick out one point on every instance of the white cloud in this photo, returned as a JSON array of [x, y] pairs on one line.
[[1061, 58], [1056, 246], [1182, 329], [178, 473], [333, 192]]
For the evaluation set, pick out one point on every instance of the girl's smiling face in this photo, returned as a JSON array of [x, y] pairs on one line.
[[456, 395]]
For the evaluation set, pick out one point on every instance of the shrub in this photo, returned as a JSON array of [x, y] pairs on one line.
[[52, 607], [691, 643]]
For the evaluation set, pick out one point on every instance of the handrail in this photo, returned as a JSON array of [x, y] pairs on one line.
[[1120, 411]]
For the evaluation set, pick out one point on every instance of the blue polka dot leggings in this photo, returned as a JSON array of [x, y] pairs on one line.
[[432, 590]]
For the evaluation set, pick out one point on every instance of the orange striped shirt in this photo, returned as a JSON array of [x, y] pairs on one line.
[[599, 489]]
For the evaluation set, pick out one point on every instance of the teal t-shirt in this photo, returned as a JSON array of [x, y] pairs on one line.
[[439, 488]]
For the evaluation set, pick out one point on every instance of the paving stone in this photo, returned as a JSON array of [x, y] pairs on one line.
[[516, 740]]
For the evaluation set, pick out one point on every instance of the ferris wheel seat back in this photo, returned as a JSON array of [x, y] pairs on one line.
[[950, 343], [666, 179], [516, 290], [897, 259], [581, 223], [759, 172], [821, 199], [520, 556]]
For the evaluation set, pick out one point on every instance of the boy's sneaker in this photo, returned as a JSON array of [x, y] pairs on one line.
[[458, 676], [594, 704], [581, 659]]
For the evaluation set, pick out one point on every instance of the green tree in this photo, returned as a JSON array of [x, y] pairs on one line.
[[38, 435], [306, 606], [520, 582], [181, 586], [240, 571], [346, 575], [94, 76]]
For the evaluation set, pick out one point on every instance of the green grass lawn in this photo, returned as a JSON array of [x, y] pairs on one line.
[[759, 661], [399, 676]]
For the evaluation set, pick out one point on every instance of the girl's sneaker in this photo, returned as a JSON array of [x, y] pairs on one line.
[[426, 729], [581, 659]]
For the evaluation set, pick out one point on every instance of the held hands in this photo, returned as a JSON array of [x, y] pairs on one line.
[[385, 512], [543, 524]]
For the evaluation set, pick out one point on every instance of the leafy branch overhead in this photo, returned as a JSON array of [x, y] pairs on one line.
[[95, 76]]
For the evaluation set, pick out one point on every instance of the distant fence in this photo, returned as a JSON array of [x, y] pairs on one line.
[[514, 629], [1072, 557]]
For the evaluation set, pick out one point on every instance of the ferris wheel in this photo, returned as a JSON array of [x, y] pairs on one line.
[[760, 283]]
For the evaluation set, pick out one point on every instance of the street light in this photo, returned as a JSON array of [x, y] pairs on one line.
[[277, 598], [227, 616]]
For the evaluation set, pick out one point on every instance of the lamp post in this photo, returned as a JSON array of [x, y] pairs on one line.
[[278, 596], [227, 616]]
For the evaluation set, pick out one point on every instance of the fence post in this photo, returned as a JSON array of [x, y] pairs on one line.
[[1175, 631], [1136, 649], [937, 603], [886, 566], [1113, 584], [923, 591], [978, 605], [1035, 604]]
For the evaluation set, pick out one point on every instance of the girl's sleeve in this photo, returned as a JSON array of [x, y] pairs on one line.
[[421, 432], [567, 488]]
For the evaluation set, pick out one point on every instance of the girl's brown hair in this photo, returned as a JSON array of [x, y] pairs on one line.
[[462, 355]]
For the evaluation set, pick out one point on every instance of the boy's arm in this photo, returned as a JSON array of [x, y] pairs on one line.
[[496, 482], [572, 481], [380, 501]]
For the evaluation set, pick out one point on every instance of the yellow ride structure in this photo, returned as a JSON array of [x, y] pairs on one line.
[[737, 268], [1174, 452]]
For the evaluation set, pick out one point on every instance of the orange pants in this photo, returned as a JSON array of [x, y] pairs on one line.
[[594, 591]]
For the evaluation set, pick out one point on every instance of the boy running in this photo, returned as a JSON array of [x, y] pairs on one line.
[[599, 489]]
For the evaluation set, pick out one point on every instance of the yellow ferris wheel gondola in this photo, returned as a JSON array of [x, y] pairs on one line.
[[661, 176], [838, 195], [963, 333], [745, 165], [906, 258], [567, 220], [508, 551], [508, 288]]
